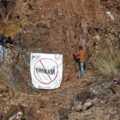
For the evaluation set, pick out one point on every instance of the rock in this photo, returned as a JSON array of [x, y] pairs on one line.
[[6, 9], [15, 113], [78, 106], [19, 115], [42, 104], [88, 104], [117, 79], [16, 116]]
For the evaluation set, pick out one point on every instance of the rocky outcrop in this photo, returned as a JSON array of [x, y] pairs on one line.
[[6, 8]]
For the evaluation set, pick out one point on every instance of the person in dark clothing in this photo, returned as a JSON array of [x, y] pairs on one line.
[[3, 46]]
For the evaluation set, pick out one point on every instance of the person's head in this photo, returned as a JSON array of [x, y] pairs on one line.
[[81, 47], [9, 40]]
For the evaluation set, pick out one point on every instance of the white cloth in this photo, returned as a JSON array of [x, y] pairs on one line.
[[46, 70]]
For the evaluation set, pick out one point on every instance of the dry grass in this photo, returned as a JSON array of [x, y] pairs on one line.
[[107, 64], [10, 28]]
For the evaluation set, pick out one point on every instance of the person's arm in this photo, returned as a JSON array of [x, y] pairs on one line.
[[8, 45], [77, 54]]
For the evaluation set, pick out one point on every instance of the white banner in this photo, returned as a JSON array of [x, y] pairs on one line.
[[46, 70]]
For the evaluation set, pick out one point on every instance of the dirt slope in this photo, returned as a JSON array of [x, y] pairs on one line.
[[57, 26]]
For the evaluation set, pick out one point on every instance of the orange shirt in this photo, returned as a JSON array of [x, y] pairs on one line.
[[81, 55]]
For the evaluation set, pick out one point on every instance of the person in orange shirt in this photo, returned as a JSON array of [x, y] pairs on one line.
[[81, 56]]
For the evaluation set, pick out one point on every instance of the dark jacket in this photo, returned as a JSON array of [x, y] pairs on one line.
[[3, 40]]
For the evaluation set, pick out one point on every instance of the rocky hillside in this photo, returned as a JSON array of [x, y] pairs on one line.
[[57, 26]]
